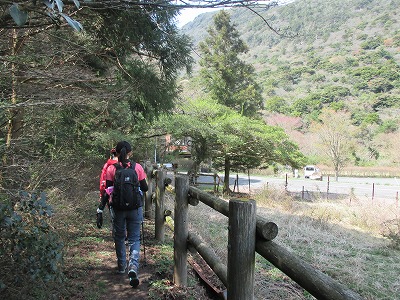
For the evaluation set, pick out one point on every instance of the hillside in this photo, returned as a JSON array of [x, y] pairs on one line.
[[343, 55]]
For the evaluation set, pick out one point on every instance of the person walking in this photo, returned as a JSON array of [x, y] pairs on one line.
[[104, 192], [127, 219]]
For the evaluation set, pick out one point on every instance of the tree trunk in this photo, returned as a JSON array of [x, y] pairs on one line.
[[15, 121], [226, 188]]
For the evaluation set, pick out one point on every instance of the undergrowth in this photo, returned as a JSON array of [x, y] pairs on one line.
[[352, 241], [57, 250], [31, 252]]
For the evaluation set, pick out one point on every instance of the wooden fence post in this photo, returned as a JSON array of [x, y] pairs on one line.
[[181, 230], [148, 203], [159, 209], [373, 191], [241, 249], [327, 189], [248, 176], [215, 182], [286, 182]]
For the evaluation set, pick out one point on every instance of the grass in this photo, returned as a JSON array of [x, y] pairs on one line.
[[356, 244], [342, 239]]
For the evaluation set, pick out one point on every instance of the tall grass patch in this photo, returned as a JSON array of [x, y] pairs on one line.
[[341, 238]]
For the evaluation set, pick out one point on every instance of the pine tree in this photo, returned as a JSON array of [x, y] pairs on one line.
[[227, 78]]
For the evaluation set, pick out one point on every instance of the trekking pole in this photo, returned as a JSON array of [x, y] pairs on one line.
[[144, 246]]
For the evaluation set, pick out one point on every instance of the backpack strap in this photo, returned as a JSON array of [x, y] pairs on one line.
[[133, 165], [118, 166]]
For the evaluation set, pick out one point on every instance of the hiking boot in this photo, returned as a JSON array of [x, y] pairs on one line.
[[133, 278], [121, 269]]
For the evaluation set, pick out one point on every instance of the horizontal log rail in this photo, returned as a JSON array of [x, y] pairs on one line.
[[312, 280], [265, 229], [209, 256]]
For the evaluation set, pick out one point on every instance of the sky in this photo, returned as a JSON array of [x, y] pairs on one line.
[[189, 14]]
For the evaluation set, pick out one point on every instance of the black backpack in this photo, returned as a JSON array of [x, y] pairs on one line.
[[126, 194]]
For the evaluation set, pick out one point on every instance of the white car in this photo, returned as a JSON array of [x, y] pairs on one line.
[[312, 172]]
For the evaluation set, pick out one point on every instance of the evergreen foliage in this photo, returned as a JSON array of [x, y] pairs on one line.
[[69, 96], [229, 79], [66, 98]]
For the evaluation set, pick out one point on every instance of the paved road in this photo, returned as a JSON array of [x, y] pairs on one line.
[[363, 188]]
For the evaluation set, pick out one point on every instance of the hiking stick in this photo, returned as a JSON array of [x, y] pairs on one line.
[[144, 246]]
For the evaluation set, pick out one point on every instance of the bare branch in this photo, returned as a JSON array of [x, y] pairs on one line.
[[40, 15], [265, 21]]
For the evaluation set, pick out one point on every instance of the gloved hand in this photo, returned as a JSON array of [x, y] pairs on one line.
[[99, 218]]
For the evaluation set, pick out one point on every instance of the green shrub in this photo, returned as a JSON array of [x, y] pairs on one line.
[[371, 118], [340, 105], [391, 230], [276, 104], [371, 43], [386, 101], [389, 126], [30, 252]]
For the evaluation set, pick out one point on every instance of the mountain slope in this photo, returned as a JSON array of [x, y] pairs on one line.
[[338, 54]]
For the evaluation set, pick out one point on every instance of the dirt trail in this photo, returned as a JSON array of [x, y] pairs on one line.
[[92, 268], [117, 285]]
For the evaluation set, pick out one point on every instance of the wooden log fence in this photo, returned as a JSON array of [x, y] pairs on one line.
[[150, 196], [241, 249], [159, 209], [181, 231], [248, 233], [215, 183]]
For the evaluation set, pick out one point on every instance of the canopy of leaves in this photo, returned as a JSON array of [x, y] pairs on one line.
[[219, 132], [68, 95]]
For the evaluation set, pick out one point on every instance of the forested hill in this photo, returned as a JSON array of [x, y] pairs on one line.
[[344, 55]]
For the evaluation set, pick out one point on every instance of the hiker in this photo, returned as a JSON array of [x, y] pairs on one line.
[[127, 220], [105, 193]]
